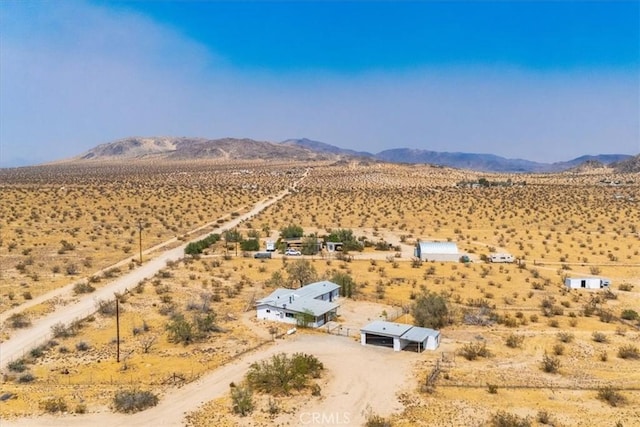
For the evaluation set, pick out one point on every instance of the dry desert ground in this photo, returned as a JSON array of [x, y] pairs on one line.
[[517, 347]]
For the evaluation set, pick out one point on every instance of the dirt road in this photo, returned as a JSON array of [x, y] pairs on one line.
[[22, 341]]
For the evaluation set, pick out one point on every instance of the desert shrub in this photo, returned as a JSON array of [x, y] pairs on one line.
[[430, 310], [471, 351], [611, 396], [38, 351], [281, 373], [106, 307], [599, 337], [19, 320], [558, 349], [629, 315], [18, 365], [180, 330], [196, 248], [550, 364], [27, 377], [505, 419], [543, 417], [60, 330], [626, 287], [82, 346], [242, 400], [629, 351], [53, 405], [80, 408], [492, 388], [514, 341], [565, 337], [83, 288], [130, 401], [374, 420]]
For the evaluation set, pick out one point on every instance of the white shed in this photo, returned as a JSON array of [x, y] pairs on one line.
[[431, 250], [587, 283]]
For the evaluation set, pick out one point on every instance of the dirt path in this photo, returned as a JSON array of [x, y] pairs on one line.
[[351, 387], [24, 340]]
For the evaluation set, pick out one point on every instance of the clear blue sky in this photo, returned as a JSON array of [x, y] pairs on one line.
[[544, 81]]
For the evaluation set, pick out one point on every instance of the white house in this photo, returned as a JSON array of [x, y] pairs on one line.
[[436, 251], [399, 336], [587, 283], [315, 300], [501, 258]]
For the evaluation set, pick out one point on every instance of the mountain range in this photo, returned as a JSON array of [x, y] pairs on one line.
[[182, 148]]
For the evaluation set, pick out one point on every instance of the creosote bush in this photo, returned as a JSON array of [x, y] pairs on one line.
[[281, 373], [505, 419], [629, 351], [242, 399], [550, 364], [611, 396], [130, 401], [471, 351]]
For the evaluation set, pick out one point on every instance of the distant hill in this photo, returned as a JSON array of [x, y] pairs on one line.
[[629, 165], [182, 148], [322, 147], [169, 148]]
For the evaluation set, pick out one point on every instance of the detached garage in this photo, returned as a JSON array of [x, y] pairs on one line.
[[399, 336]]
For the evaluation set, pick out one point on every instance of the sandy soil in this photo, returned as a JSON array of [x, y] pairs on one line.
[[24, 340], [351, 386]]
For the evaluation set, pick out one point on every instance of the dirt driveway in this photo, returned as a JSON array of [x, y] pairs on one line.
[[357, 377]]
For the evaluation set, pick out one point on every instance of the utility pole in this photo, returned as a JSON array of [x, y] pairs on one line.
[[140, 227], [117, 328]]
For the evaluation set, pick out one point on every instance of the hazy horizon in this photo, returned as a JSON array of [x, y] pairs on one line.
[[545, 82]]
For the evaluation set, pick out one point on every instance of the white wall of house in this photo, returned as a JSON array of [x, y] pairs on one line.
[[432, 343], [267, 312]]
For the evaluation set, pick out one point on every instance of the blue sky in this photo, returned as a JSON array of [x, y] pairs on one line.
[[545, 81]]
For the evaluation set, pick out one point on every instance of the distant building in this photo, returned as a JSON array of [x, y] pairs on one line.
[[399, 336], [501, 258], [316, 301], [435, 251], [587, 283]]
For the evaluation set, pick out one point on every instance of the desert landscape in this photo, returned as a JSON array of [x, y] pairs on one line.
[[107, 321]]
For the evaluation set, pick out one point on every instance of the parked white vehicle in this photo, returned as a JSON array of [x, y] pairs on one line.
[[292, 252]]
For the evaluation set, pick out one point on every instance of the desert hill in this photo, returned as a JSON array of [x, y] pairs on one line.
[[183, 148]]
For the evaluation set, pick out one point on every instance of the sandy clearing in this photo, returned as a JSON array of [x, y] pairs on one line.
[[352, 386]]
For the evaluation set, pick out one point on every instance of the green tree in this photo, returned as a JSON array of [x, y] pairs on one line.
[[250, 245], [301, 272], [346, 282], [276, 280], [310, 245], [180, 330], [291, 232], [349, 241], [233, 236], [430, 311]]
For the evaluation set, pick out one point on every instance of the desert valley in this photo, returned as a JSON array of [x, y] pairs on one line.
[[128, 292]]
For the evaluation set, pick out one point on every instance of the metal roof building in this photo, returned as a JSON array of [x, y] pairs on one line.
[[399, 336]]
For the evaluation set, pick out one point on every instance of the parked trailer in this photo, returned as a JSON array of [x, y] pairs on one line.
[[501, 258], [587, 283]]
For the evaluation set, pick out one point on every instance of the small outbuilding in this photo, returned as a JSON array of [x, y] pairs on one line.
[[399, 336], [437, 251], [587, 283]]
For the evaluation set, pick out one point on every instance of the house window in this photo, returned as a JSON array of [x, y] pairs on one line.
[[268, 311], [290, 315]]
